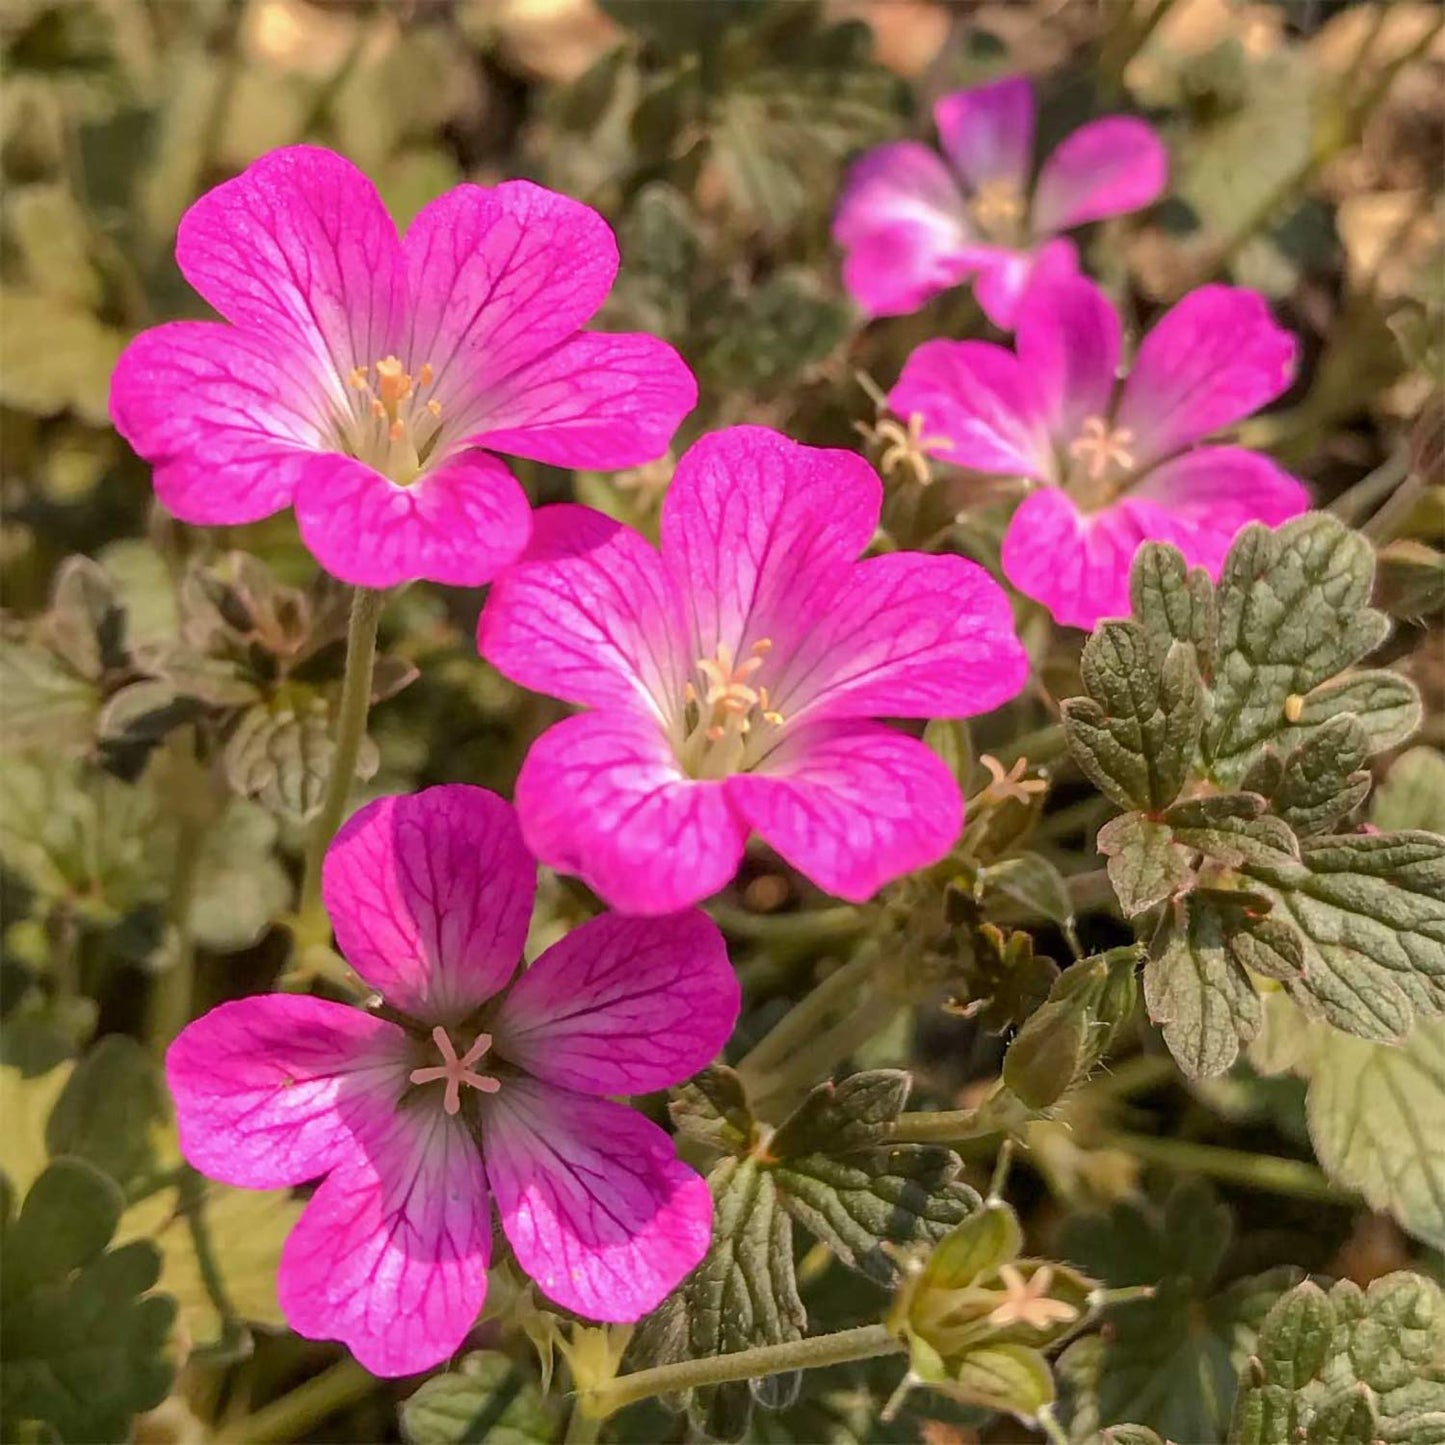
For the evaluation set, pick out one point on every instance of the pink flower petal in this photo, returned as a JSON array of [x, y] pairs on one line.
[[589, 615], [598, 1209], [1069, 341], [225, 419], [268, 1089], [459, 524], [596, 400], [430, 895], [1003, 282], [622, 1005], [1106, 168], [1213, 359], [988, 132], [299, 249], [755, 524], [500, 275], [1078, 565], [907, 636], [390, 1256], [603, 797], [979, 405], [852, 805], [1217, 490], [902, 223]]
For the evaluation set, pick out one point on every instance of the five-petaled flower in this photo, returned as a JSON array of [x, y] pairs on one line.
[[912, 227], [366, 380], [732, 678], [1117, 462], [468, 1091]]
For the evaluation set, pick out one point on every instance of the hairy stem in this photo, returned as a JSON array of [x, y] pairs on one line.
[[294, 1414], [864, 1343], [1265, 1172], [805, 1019], [355, 702], [938, 1126]]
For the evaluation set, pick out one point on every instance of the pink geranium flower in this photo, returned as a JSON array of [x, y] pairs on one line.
[[365, 380], [467, 1091], [731, 679], [913, 225], [1117, 463]]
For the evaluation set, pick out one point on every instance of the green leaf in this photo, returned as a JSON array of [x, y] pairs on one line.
[[744, 1293], [772, 333], [1377, 1120], [1349, 1368], [1197, 990], [842, 1179], [1294, 613], [111, 1111], [1063, 1041], [1370, 913], [43, 703], [1324, 778], [1168, 1363], [713, 1109], [282, 758], [1173, 602], [56, 356], [1135, 733], [1146, 865], [487, 1397], [83, 1339], [1385, 704]]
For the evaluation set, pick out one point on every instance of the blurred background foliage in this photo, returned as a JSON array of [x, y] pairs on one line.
[[167, 693]]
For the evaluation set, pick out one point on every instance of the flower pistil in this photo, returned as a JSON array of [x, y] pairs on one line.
[[396, 430], [457, 1071]]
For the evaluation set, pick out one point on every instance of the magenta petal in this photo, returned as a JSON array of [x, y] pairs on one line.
[[268, 1089], [754, 525], [1105, 168], [1217, 490], [1213, 359], [1068, 341], [908, 636], [1078, 565], [300, 249], [499, 275], [902, 224], [988, 132], [622, 1005], [458, 524], [597, 401], [603, 797], [228, 421], [598, 1209], [1007, 277], [852, 805], [430, 895], [390, 1256], [980, 408], [589, 615]]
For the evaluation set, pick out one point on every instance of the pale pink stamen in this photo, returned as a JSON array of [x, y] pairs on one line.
[[457, 1071]]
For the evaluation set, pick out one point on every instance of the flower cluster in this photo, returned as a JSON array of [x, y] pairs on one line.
[[733, 681]]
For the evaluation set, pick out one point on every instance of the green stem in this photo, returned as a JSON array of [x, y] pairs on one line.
[[775, 1093], [582, 1428], [821, 925], [191, 1201], [295, 1413], [1266, 1172], [1387, 523], [938, 1126], [355, 702], [804, 1020], [173, 992], [865, 1343]]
